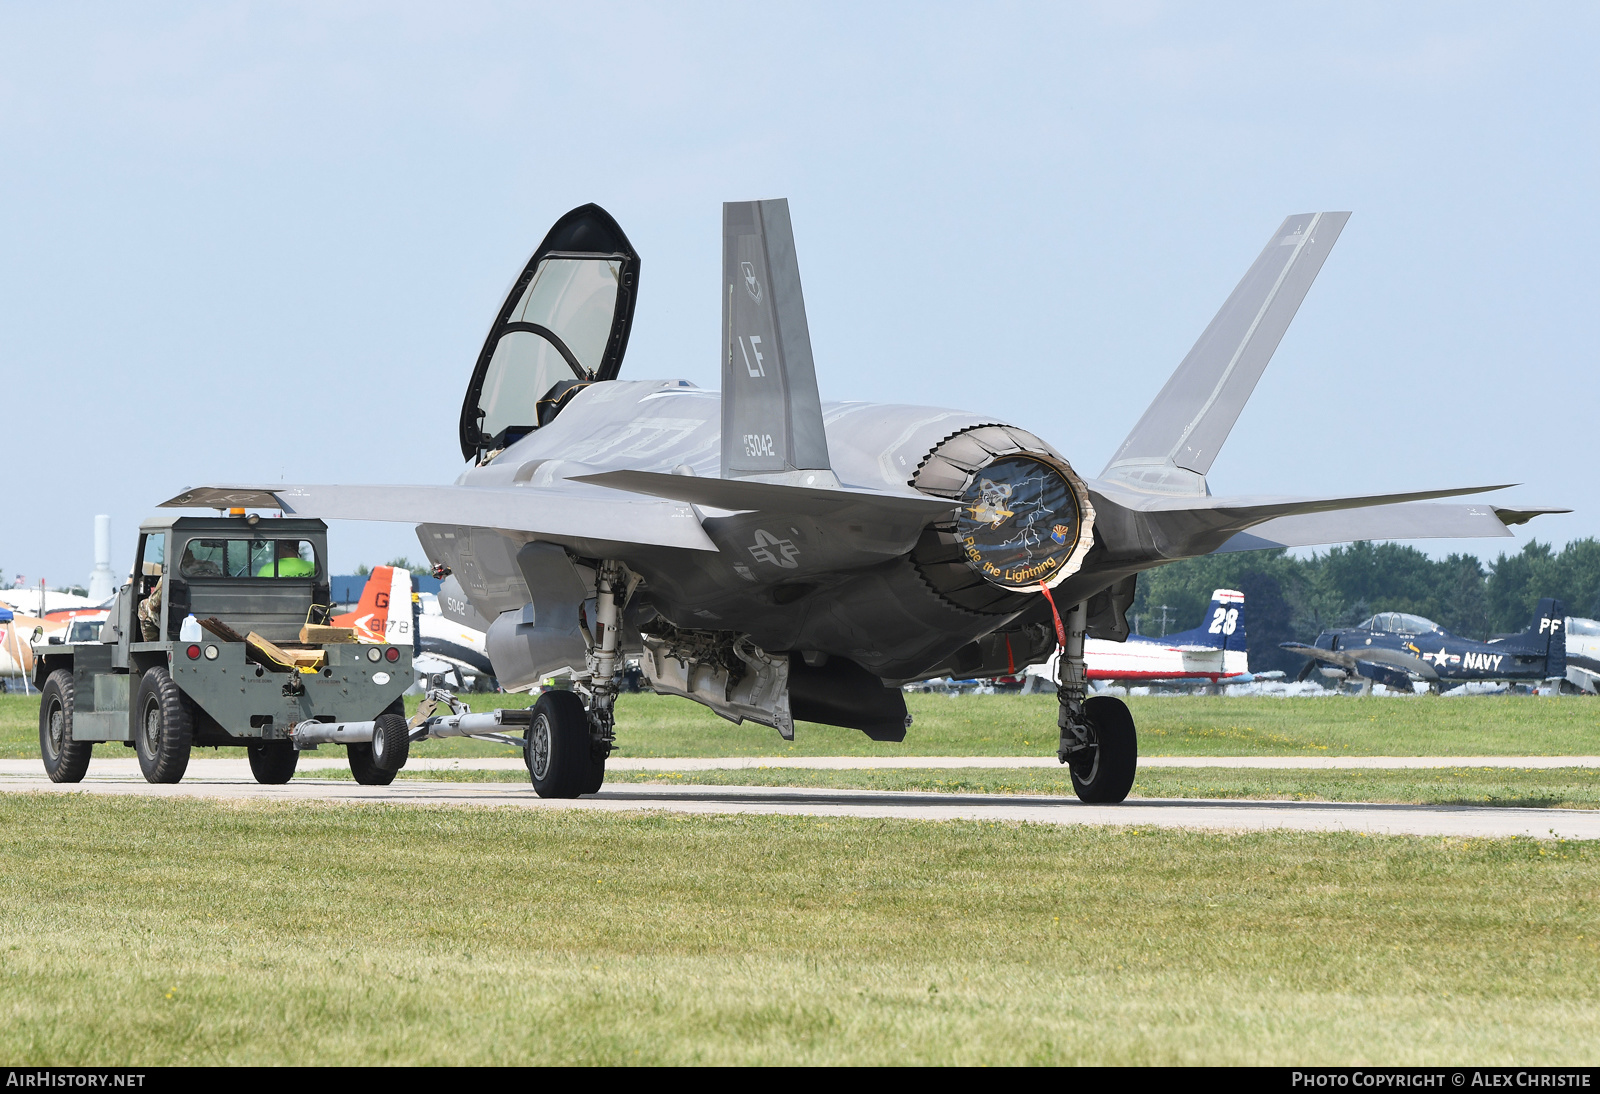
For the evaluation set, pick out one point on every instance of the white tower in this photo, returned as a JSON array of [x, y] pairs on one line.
[[102, 583]]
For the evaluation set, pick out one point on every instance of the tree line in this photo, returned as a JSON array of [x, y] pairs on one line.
[[1294, 599]]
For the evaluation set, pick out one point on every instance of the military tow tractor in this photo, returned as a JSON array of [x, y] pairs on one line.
[[221, 637]]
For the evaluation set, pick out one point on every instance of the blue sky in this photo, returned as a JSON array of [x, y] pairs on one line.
[[263, 242]]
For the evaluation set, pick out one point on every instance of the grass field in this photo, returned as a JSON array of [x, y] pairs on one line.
[[1020, 725], [1537, 788], [138, 931]]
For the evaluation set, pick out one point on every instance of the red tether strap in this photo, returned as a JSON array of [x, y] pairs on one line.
[[1061, 632]]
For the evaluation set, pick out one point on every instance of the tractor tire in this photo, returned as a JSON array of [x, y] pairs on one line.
[[65, 760], [556, 747], [163, 731], [272, 762], [1107, 776], [391, 744], [366, 772]]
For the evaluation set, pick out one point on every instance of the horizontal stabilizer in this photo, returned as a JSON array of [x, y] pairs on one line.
[[556, 515], [1178, 437], [1184, 527], [1417, 520], [741, 495]]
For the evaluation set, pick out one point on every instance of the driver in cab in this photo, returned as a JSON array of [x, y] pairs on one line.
[[288, 562]]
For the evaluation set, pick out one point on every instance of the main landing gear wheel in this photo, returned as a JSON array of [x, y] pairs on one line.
[[376, 764], [557, 748], [272, 762], [1105, 775], [163, 731], [65, 760], [597, 775]]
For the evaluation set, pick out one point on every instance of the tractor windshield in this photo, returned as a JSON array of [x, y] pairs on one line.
[[204, 558]]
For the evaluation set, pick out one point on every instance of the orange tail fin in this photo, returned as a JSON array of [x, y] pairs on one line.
[[384, 612]]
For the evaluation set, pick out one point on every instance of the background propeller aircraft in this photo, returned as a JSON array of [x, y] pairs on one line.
[[1395, 649], [1214, 652], [778, 558]]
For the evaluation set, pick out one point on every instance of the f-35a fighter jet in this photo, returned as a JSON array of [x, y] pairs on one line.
[[778, 558]]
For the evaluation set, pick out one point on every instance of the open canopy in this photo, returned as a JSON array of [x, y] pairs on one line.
[[565, 323]]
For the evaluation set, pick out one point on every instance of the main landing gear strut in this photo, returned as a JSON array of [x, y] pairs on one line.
[[568, 734], [1098, 741]]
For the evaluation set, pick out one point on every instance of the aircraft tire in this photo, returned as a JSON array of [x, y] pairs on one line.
[[556, 747], [163, 732], [1109, 776], [597, 775], [65, 760], [391, 744], [272, 762]]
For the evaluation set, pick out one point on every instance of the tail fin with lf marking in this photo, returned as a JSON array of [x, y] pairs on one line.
[[771, 412]]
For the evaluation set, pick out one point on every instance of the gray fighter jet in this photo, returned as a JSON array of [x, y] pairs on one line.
[[778, 558]]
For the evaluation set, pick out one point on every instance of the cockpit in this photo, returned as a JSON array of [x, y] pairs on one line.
[[1398, 623], [563, 326]]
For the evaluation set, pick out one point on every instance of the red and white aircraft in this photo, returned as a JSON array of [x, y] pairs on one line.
[[1213, 652]]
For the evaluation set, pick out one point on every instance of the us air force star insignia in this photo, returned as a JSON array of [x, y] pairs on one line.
[[785, 555]]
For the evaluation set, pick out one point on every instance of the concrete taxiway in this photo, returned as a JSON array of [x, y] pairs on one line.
[[1235, 816], [207, 768]]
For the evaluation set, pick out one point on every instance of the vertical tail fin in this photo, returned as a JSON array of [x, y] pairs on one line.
[[1174, 443], [383, 613], [1548, 635], [1223, 628], [1226, 615], [771, 412], [1223, 625]]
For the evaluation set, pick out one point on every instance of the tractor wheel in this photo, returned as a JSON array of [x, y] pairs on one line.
[[1107, 775], [65, 760], [272, 762], [163, 731], [391, 743]]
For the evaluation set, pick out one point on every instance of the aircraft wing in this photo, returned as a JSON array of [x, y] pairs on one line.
[[1405, 521], [1347, 659], [1333, 657], [553, 514]]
